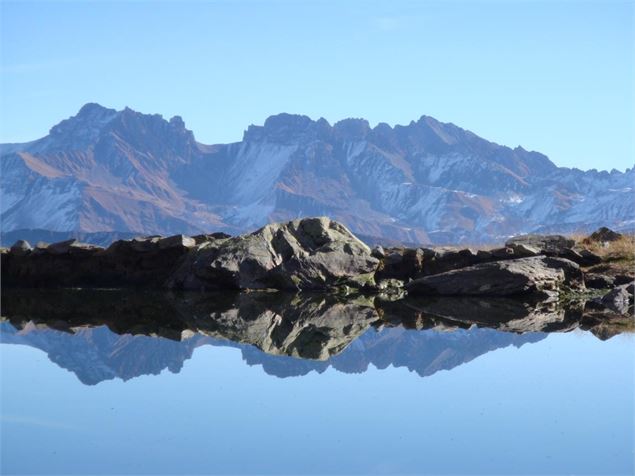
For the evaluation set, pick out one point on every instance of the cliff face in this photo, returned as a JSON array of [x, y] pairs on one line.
[[106, 170]]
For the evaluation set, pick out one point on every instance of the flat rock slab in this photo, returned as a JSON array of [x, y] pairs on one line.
[[548, 244], [539, 274]]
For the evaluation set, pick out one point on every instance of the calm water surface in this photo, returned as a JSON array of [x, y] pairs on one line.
[[394, 401]]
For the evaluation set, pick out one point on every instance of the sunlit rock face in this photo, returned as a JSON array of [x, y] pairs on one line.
[[104, 170], [102, 335], [311, 253]]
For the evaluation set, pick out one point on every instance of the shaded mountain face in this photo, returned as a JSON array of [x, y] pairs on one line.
[[106, 170]]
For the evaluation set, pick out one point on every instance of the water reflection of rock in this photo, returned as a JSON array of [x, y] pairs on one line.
[[101, 335], [505, 315]]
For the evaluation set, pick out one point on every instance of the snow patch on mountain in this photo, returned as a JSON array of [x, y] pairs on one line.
[[256, 167], [53, 205], [104, 169]]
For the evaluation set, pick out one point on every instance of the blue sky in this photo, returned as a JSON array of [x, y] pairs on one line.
[[556, 77]]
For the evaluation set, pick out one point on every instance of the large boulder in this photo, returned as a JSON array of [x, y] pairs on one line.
[[618, 299], [602, 235], [581, 256], [539, 274], [306, 325], [312, 253], [21, 247]]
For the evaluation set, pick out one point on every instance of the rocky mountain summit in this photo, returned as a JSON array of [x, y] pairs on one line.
[[104, 170], [319, 254]]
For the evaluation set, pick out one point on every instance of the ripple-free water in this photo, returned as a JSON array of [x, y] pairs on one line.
[[395, 401]]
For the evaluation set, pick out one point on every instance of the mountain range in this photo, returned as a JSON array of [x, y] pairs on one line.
[[104, 170]]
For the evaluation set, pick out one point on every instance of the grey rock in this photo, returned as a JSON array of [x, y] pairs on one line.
[[61, 247], [141, 244], [378, 252], [401, 263], [315, 327], [176, 241], [446, 259], [589, 258], [617, 299], [538, 274], [603, 235], [21, 247], [514, 250], [523, 250], [580, 256], [502, 253], [429, 253], [484, 255], [574, 277], [198, 239], [72, 246], [312, 253], [547, 244]]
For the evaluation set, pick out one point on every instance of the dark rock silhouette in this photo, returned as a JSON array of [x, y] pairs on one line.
[[101, 335]]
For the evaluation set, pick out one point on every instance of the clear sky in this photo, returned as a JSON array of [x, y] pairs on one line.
[[556, 77]]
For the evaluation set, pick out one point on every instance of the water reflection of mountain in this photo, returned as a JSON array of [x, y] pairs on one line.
[[96, 354], [424, 352], [101, 335]]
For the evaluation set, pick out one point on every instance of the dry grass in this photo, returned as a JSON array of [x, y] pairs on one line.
[[618, 256], [619, 250]]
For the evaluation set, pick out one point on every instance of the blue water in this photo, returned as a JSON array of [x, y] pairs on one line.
[[545, 404]]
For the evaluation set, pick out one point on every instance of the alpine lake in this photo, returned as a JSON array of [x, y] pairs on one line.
[[123, 382]]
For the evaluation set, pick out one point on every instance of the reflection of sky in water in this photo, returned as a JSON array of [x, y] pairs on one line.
[[563, 404]]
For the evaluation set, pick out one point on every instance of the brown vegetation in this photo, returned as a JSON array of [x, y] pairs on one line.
[[618, 255]]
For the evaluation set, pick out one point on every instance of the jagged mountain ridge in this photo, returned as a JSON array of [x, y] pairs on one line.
[[108, 170], [96, 354]]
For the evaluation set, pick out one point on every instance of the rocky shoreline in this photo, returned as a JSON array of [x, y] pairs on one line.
[[319, 254]]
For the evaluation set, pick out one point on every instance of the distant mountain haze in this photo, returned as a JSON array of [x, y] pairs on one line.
[[104, 170]]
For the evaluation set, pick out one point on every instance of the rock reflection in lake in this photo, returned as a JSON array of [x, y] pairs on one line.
[[106, 334]]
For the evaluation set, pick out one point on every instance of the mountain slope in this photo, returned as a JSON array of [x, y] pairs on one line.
[[107, 170], [103, 170]]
